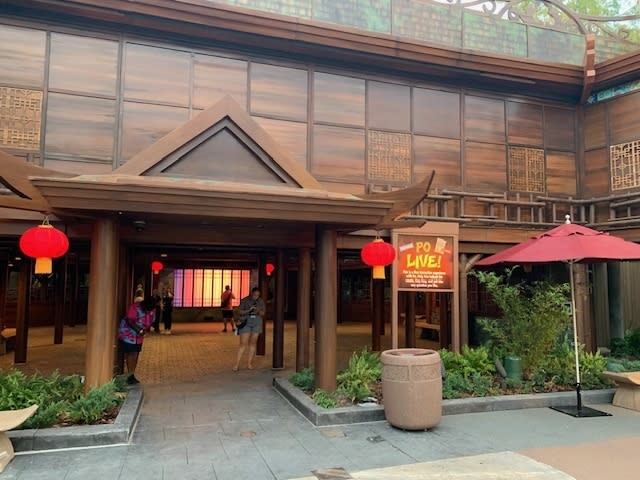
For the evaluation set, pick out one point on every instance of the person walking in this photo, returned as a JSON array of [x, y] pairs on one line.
[[251, 310], [131, 331], [226, 301], [167, 312]]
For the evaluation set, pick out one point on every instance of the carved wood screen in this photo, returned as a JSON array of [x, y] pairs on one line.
[[526, 169], [389, 157], [20, 117], [625, 165]]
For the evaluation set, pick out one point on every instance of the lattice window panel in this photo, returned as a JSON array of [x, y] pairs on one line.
[[20, 116], [625, 165], [389, 156], [526, 170]]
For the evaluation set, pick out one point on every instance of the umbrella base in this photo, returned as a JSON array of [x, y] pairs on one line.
[[580, 412]]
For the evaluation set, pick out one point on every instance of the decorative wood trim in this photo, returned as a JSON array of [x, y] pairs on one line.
[[15, 177], [154, 155], [230, 24], [589, 67]]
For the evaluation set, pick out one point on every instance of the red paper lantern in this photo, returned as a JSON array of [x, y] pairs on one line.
[[43, 243], [377, 254], [156, 266], [269, 268]]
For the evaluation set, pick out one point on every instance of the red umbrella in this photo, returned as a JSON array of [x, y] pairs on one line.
[[569, 243]]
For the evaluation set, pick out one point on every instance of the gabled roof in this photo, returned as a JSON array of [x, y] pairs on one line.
[[17, 191], [196, 150]]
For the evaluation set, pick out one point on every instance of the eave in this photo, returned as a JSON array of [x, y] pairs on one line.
[[86, 195], [617, 70], [323, 42]]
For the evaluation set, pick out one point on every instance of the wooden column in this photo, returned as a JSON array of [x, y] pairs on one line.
[[377, 313], [583, 305], [22, 311], [60, 299], [4, 282], [326, 309], [263, 284], [410, 320], [303, 312], [464, 266], [103, 297], [278, 321]]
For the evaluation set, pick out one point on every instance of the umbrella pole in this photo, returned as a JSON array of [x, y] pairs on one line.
[[578, 410], [575, 336]]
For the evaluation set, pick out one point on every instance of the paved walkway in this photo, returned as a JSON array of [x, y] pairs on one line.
[[224, 425]]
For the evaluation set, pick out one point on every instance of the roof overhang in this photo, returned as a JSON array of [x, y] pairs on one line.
[[88, 195], [216, 24]]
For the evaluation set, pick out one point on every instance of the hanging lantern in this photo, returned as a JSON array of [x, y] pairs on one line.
[[378, 254], [43, 243], [269, 268], [156, 266]]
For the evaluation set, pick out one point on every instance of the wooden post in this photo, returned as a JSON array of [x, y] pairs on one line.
[[326, 309], [303, 313], [4, 282], [278, 321], [464, 302], [60, 299], [410, 320], [583, 306], [102, 314], [22, 311], [263, 284], [377, 313]]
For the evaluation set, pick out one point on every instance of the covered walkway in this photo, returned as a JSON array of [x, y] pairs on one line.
[[193, 351]]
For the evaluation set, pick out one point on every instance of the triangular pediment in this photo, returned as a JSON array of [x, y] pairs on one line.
[[222, 143]]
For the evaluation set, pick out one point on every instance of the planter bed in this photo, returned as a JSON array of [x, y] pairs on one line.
[[115, 433], [358, 414]]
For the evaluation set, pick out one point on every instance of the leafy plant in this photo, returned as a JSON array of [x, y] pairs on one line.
[[469, 373], [534, 317], [56, 396], [356, 381], [90, 408], [627, 346], [622, 365], [304, 379], [324, 399], [591, 367]]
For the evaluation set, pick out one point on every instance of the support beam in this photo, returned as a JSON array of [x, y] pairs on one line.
[[326, 309], [377, 313], [102, 313], [303, 314], [22, 311], [278, 321], [410, 319], [263, 285], [465, 265], [60, 267]]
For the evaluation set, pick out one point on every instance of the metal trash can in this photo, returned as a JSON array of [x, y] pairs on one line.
[[412, 388]]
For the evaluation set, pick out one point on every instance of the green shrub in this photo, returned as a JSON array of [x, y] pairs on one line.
[[325, 399], [356, 381], [534, 317], [304, 379], [622, 365], [470, 373], [56, 396], [629, 346], [591, 367], [90, 408]]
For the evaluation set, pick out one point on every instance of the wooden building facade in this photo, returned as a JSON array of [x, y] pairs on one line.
[[267, 133]]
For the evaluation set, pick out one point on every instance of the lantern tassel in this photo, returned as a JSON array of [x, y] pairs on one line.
[[378, 272], [43, 265]]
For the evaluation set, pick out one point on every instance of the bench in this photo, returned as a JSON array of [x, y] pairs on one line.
[[10, 419], [7, 338], [628, 389]]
